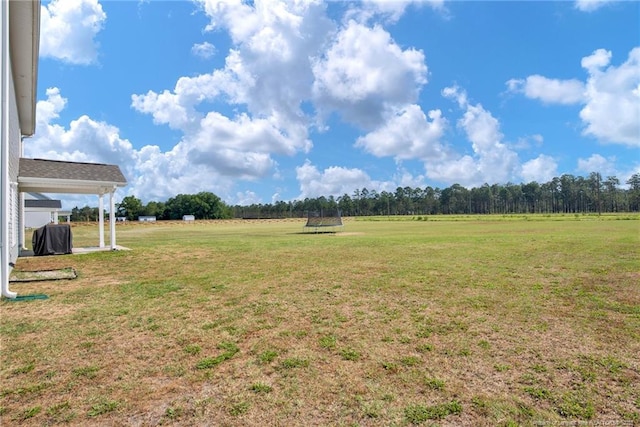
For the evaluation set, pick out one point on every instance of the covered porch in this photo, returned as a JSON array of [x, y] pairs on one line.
[[62, 177]]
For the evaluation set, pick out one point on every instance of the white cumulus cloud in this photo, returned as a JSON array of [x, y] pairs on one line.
[[392, 10], [290, 66], [268, 72], [246, 198], [492, 161], [151, 173], [612, 110], [203, 50], [549, 90], [541, 169], [610, 96], [598, 163], [407, 134], [365, 73], [334, 181], [84, 140], [68, 29], [590, 5], [284, 55]]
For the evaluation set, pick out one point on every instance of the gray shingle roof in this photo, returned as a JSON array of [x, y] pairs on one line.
[[56, 169], [48, 204]]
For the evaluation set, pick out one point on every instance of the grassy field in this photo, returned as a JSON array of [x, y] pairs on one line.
[[478, 321]]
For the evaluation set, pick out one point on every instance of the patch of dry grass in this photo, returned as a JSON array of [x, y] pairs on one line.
[[38, 275], [466, 322]]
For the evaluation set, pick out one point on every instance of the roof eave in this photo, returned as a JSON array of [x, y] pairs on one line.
[[24, 34], [48, 185], [30, 209]]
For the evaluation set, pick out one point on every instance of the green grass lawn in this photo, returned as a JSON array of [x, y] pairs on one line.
[[484, 321]]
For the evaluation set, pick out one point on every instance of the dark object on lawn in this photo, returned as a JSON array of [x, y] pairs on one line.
[[52, 239], [323, 220]]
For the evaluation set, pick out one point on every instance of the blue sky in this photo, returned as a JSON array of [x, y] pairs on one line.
[[265, 100]]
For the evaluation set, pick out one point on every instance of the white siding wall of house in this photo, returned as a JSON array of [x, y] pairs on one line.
[[15, 137], [35, 214], [19, 43], [8, 107], [37, 219]]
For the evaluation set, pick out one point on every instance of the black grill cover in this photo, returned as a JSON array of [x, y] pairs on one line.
[[52, 239]]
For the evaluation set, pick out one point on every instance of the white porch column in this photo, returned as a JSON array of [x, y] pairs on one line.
[[112, 220], [101, 218], [23, 224]]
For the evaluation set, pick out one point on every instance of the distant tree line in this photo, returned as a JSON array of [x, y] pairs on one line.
[[84, 214], [203, 205], [564, 194]]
